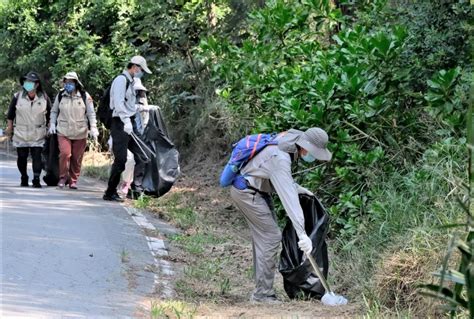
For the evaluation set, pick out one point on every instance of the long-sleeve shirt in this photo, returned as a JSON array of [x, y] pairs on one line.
[[270, 170], [123, 99]]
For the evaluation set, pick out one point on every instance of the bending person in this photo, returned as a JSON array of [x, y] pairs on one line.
[[267, 172]]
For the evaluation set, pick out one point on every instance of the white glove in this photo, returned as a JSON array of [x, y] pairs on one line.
[[331, 299], [127, 126], [52, 129], [305, 243], [302, 190], [94, 133], [143, 108]]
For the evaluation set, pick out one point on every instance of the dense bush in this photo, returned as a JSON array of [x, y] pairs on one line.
[[356, 85]]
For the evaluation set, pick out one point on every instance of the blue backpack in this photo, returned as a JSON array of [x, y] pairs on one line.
[[243, 151]]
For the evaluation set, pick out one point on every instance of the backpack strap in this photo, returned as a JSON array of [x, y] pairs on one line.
[[83, 95]]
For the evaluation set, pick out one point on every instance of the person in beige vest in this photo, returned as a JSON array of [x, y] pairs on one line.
[[72, 118], [27, 121]]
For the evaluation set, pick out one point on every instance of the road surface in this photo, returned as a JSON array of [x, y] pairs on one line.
[[67, 253]]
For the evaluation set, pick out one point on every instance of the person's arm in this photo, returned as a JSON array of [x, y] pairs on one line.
[[53, 117], [117, 96], [283, 183], [90, 113], [11, 114], [48, 109]]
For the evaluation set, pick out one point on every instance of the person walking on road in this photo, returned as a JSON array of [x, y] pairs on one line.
[[123, 104], [269, 171], [72, 117], [27, 120]]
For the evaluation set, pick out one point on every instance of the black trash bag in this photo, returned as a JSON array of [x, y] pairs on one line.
[[50, 160], [299, 280], [162, 170]]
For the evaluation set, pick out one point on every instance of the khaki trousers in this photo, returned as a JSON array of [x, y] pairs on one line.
[[266, 236]]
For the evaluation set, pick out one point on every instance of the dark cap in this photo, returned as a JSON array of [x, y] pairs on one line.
[[30, 76]]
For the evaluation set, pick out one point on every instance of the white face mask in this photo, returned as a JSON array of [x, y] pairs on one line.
[[308, 158]]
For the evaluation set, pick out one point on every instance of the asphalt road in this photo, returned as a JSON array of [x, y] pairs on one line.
[[67, 253]]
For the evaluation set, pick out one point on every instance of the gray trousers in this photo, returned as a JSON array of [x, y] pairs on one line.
[[266, 236]]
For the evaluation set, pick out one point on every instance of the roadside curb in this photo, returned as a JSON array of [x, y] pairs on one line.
[[165, 272]]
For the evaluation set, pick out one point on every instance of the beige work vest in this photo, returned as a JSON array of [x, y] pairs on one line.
[[72, 120], [30, 121]]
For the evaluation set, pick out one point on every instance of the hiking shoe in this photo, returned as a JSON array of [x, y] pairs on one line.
[[112, 197], [271, 300], [73, 185], [62, 182], [36, 182], [24, 182]]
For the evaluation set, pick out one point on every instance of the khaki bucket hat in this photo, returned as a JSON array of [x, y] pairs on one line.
[[138, 85], [139, 60], [73, 76], [314, 140]]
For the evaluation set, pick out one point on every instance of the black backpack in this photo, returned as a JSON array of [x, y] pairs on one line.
[[104, 112]]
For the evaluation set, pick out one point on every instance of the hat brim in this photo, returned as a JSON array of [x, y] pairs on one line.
[[145, 68], [27, 78], [140, 88], [321, 154], [73, 78]]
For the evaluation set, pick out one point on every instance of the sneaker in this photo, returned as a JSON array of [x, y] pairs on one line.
[[36, 182], [112, 197], [24, 182], [271, 300], [73, 185], [62, 182]]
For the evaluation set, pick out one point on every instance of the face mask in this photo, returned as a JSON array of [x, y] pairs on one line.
[[69, 87], [138, 75], [308, 158], [29, 86]]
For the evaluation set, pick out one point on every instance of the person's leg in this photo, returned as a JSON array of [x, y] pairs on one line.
[[37, 165], [266, 237], [77, 152], [127, 175], [65, 149], [140, 163], [139, 168], [119, 148], [22, 163]]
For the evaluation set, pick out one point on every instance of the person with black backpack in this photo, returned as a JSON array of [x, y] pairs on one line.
[[72, 117], [122, 102]]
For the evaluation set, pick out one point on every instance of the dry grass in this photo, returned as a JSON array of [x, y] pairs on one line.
[[400, 272], [96, 164]]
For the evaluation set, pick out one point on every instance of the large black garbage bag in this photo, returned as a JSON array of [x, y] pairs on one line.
[[50, 159], [162, 170], [298, 278]]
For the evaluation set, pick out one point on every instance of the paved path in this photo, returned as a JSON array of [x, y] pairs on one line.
[[67, 253]]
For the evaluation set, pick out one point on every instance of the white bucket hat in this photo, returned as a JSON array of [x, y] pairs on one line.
[[73, 76], [139, 60], [314, 140], [138, 85]]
